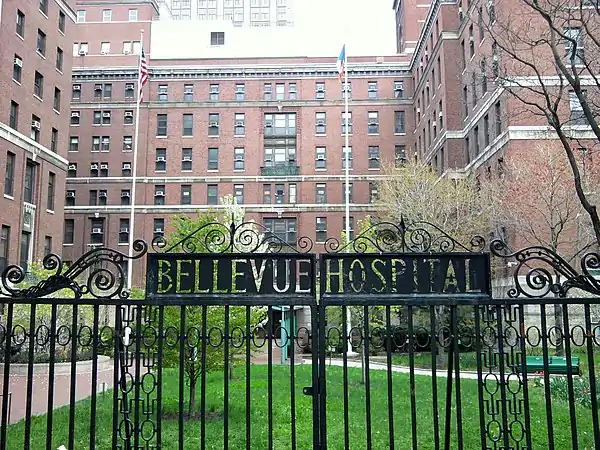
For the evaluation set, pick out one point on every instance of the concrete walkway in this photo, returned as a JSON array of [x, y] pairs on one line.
[[397, 369]]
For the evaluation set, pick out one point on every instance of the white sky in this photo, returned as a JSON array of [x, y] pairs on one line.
[[320, 28], [366, 26]]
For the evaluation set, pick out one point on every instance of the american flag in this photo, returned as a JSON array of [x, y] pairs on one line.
[[143, 76]]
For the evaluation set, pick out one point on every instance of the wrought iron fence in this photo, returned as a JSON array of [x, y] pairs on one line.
[[403, 347]]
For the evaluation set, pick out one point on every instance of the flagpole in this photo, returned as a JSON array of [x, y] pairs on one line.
[[347, 193], [134, 168], [347, 138]]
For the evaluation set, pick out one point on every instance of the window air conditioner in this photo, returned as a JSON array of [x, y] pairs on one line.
[[239, 124], [128, 114], [102, 195], [214, 124], [158, 230], [159, 194], [93, 166], [419, 110], [76, 87], [471, 39], [82, 52], [96, 230], [103, 52], [160, 159], [441, 114], [106, 114], [71, 194], [35, 125], [18, 62], [125, 194], [125, 230], [74, 114], [187, 158], [126, 166], [320, 123]]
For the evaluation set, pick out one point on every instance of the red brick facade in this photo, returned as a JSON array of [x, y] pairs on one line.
[[34, 125]]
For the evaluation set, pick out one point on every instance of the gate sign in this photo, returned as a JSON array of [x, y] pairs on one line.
[[405, 273], [196, 274]]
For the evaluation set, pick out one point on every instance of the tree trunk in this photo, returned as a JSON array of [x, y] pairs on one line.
[[192, 405], [558, 323]]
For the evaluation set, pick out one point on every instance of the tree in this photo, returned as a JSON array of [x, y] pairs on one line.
[[208, 233], [414, 192], [535, 199], [545, 54]]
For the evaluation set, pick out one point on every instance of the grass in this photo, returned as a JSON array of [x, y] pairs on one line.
[[304, 425], [468, 360]]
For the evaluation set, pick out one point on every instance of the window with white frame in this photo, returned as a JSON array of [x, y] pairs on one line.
[[238, 158], [372, 89], [321, 158], [347, 122], [347, 153], [107, 15], [374, 162], [321, 230], [186, 159], [240, 125], [320, 123], [373, 127]]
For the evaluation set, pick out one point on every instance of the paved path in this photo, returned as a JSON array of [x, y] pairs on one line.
[[399, 369]]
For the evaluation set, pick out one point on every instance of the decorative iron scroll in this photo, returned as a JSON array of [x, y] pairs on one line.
[[418, 236], [219, 238], [106, 278], [541, 271]]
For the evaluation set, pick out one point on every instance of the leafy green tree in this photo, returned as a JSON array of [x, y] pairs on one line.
[[203, 234]]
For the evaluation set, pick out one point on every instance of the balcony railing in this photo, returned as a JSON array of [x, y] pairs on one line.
[[280, 171]]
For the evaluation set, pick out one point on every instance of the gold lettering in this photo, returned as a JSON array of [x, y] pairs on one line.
[[396, 272], [235, 274], [216, 289], [378, 274], [363, 276], [450, 280], [180, 275], [339, 274], [257, 274], [197, 288], [164, 267], [286, 286], [302, 275]]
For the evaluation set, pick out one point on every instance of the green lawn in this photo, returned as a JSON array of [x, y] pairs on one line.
[[335, 422]]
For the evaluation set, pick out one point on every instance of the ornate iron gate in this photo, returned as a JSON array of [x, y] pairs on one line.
[[398, 344]]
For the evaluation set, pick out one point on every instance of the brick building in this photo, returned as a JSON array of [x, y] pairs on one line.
[[35, 81], [267, 131], [466, 122]]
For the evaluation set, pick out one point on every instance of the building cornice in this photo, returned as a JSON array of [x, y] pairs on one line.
[[33, 148], [220, 179], [154, 3], [214, 72], [79, 106], [66, 8], [248, 208]]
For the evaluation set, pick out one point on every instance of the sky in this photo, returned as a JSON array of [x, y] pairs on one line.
[[366, 30], [320, 28]]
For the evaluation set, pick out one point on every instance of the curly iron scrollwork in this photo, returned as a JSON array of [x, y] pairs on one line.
[[418, 236], [219, 238], [105, 279], [540, 271]]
